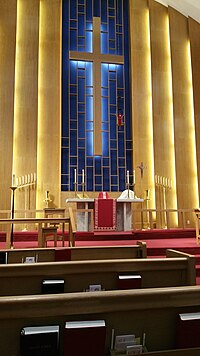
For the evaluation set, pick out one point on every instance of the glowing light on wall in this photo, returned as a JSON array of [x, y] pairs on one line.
[[171, 120], [192, 143], [19, 36], [150, 113]]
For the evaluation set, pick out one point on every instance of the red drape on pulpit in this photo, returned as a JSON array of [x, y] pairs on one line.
[[105, 212]]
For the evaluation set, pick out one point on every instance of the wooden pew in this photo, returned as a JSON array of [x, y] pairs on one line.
[[75, 253], [153, 311], [16, 279]]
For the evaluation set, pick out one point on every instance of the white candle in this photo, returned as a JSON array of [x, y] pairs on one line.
[[83, 176], [75, 177], [127, 176], [29, 178], [22, 180], [34, 175], [134, 177]]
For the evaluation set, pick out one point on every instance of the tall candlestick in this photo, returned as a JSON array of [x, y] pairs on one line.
[[127, 177], [83, 176], [75, 177], [13, 180]]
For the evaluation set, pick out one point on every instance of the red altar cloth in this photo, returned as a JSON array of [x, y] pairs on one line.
[[105, 212]]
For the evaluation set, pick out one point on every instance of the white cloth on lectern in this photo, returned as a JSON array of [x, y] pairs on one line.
[[124, 195]]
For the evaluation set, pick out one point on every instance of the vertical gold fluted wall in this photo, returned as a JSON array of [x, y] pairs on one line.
[[7, 76], [165, 90], [49, 112], [26, 98], [194, 34], [183, 104], [163, 127], [141, 99]]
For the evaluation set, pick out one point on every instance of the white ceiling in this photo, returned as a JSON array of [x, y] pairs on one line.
[[186, 7]]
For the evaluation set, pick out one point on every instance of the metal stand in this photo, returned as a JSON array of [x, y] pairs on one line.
[[13, 188]]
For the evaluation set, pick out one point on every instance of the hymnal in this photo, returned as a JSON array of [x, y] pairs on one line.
[[187, 326], [3, 257], [62, 254], [85, 338], [40, 341], [129, 281], [53, 286]]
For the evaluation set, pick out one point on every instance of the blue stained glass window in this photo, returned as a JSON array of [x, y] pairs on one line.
[[107, 171]]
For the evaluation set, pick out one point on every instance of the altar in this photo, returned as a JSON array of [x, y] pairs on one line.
[[86, 207]]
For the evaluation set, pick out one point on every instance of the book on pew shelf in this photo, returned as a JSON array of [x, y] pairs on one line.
[[122, 341], [39, 341], [129, 281], [3, 257], [187, 335], [85, 338], [53, 286], [62, 254]]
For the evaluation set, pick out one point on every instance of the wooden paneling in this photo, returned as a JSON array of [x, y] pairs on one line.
[[163, 133], [194, 33], [7, 75], [141, 96], [185, 150], [49, 115], [26, 97]]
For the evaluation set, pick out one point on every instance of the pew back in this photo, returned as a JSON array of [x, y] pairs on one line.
[[75, 253], [153, 311], [19, 279]]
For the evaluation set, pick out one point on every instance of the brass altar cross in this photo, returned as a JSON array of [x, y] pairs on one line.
[[97, 58]]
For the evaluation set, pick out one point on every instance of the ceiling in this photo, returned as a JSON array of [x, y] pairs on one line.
[[186, 7]]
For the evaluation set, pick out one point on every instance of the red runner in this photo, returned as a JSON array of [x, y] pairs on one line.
[[105, 213]]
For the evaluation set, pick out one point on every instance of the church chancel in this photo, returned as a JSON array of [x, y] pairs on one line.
[[109, 214], [123, 213]]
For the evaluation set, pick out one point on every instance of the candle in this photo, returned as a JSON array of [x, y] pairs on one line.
[[75, 177], [127, 176], [29, 178], [22, 180], [34, 175], [83, 177], [134, 177]]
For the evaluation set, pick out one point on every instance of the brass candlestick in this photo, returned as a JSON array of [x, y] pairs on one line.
[[75, 188], [13, 188], [47, 200], [128, 188], [83, 189]]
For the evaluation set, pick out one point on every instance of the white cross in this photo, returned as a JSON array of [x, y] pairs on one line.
[[96, 57]]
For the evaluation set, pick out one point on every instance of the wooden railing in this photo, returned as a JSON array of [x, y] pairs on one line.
[[142, 218]]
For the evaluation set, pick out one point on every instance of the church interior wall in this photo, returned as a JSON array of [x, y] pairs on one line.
[[165, 110]]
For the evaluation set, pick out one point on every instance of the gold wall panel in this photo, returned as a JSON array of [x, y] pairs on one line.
[[7, 76], [162, 107], [185, 150], [194, 32], [26, 98], [141, 97], [49, 102]]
